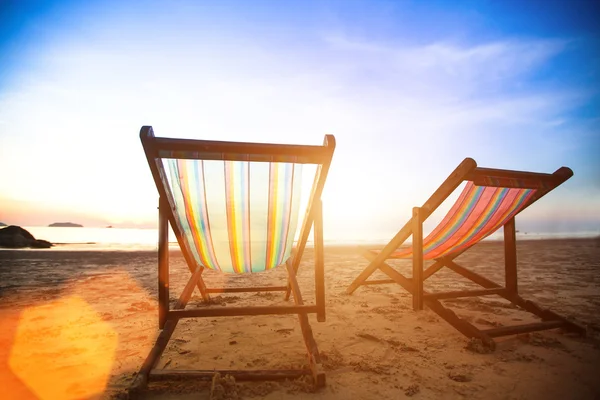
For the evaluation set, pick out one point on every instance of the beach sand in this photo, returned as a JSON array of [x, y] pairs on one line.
[[80, 324]]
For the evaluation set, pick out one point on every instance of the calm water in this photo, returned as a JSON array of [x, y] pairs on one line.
[[127, 238], [98, 238], [146, 239]]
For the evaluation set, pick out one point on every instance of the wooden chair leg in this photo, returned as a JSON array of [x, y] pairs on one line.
[[141, 380], [375, 263], [163, 261], [319, 262], [470, 275], [288, 290], [186, 293], [314, 357], [510, 256], [163, 264], [417, 259], [460, 324], [545, 314], [394, 275], [550, 319]]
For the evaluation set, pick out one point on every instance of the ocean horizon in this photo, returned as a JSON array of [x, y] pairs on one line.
[[144, 239]]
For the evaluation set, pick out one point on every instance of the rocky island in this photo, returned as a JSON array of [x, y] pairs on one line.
[[15, 237], [65, 225]]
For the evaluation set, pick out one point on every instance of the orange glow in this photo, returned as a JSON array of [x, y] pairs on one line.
[[63, 350]]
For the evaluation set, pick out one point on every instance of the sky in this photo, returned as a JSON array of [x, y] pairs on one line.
[[408, 88]]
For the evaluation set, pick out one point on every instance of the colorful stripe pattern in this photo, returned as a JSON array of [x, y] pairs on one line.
[[279, 220], [187, 181], [478, 212], [223, 217], [237, 192]]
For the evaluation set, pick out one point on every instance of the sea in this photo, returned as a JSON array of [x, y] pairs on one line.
[[132, 239]]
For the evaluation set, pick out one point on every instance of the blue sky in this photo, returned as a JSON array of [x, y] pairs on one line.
[[409, 88]]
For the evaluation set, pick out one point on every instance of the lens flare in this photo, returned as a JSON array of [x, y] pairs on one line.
[[63, 350]]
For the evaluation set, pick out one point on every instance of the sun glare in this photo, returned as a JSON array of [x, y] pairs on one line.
[[63, 350]]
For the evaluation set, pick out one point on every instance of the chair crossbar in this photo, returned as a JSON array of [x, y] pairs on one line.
[[240, 311], [525, 328], [237, 151], [378, 282], [509, 183], [247, 289], [481, 172], [463, 293], [395, 276], [186, 293], [239, 375], [470, 275]]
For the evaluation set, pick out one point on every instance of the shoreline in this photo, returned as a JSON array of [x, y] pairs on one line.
[[343, 247]]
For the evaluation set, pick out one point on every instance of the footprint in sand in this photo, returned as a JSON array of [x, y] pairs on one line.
[[285, 331], [141, 306], [457, 377], [368, 336]]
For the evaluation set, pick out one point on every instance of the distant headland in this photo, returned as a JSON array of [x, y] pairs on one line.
[[2, 224], [15, 237], [65, 225]]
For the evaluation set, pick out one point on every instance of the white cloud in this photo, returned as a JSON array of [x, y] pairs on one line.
[[403, 114], [494, 60]]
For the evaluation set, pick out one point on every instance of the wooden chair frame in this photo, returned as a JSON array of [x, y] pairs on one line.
[[168, 318], [468, 171]]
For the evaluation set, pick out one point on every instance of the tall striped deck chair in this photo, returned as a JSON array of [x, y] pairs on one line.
[[490, 200], [233, 208]]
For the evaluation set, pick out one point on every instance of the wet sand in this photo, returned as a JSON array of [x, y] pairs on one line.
[[79, 325]]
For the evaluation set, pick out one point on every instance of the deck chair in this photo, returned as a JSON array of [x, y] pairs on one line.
[[233, 208], [489, 201]]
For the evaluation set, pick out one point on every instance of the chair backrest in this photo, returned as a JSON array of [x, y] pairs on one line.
[[234, 206], [478, 212], [488, 201]]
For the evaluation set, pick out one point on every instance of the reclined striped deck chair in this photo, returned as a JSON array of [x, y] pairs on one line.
[[489, 201], [233, 208]]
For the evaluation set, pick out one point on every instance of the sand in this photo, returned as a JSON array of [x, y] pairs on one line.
[[79, 325]]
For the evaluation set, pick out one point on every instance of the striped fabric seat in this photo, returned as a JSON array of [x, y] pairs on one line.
[[478, 212], [236, 216]]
